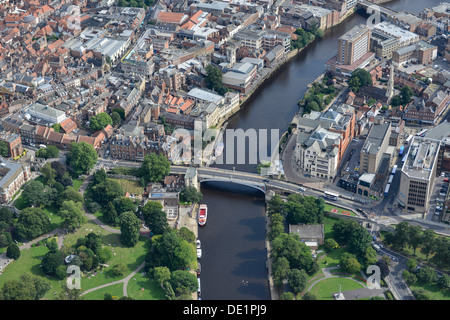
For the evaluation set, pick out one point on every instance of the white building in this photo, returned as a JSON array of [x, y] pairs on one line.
[[47, 113]]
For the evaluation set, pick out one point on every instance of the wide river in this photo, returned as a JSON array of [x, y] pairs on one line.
[[234, 254]]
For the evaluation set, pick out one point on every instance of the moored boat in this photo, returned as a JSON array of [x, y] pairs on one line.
[[202, 214]]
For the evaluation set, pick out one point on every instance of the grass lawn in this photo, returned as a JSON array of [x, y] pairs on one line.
[[325, 288], [77, 183], [114, 290], [434, 291], [131, 257], [338, 210], [332, 258], [131, 186], [151, 289], [29, 262]]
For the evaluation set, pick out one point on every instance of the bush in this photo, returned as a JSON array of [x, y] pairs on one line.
[[13, 251]]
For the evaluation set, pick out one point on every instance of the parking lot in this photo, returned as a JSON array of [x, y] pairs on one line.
[[438, 197]]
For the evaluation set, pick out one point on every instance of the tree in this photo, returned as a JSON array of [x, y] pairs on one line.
[[280, 270], [4, 151], [170, 250], [190, 194], [304, 209], [154, 168], [36, 194], [428, 244], [214, 79], [426, 275], [405, 95], [415, 237], [106, 192], [13, 251], [27, 287], [51, 261], [48, 152], [110, 214], [60, 170], [297, 280], [82, 157], [49, 174], [409, 277], [330, 244], [129, 228], [183, 281], [444, 281], [161, 274], [275, 205], [32, 222], [411, 265], [119, 270], [360, 240], [115, 117], [123, 204], [73, 214], [309, 296], [287, 296], [384, 268], [100, 121], [349, 263], [359, 78], [69, 194]]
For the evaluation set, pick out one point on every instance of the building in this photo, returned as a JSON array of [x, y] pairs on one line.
[[12, 178], [317, 153], [421, 51], [353, 45], [418, 174], [310, 234], [13, 143], [46, 113], [374, 147]]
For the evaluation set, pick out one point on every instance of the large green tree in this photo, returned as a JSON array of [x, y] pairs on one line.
[[100, 121], [154, 168], [73, 215], [214, 80], [26, 287], [82, 157], [32, 222], [190, 194], [129, 228], [155, 218]]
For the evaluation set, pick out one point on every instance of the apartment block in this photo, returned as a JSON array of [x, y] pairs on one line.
[[418, 174], [353, 45]]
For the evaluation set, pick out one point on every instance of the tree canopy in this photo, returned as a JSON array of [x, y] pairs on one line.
[[82, 157], [100, 121], [154, 168]]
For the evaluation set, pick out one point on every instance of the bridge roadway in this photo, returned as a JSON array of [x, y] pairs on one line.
[[384, 10], [243, 178]]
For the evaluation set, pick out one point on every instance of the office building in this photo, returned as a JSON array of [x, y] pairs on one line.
[[418, 174], [353, 45]]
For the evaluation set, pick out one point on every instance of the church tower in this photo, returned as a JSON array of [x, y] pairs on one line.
[[390, 85]]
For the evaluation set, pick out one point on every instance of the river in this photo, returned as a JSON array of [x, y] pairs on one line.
[[234, 257]]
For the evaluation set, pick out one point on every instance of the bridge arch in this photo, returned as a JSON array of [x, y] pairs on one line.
[[258, 186]]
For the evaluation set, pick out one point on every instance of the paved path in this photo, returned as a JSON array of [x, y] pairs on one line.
[[124, 281], [350, 294]]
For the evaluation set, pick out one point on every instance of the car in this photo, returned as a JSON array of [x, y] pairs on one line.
[[301, 189], [199, 253], [348, 169], [266, 180]]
